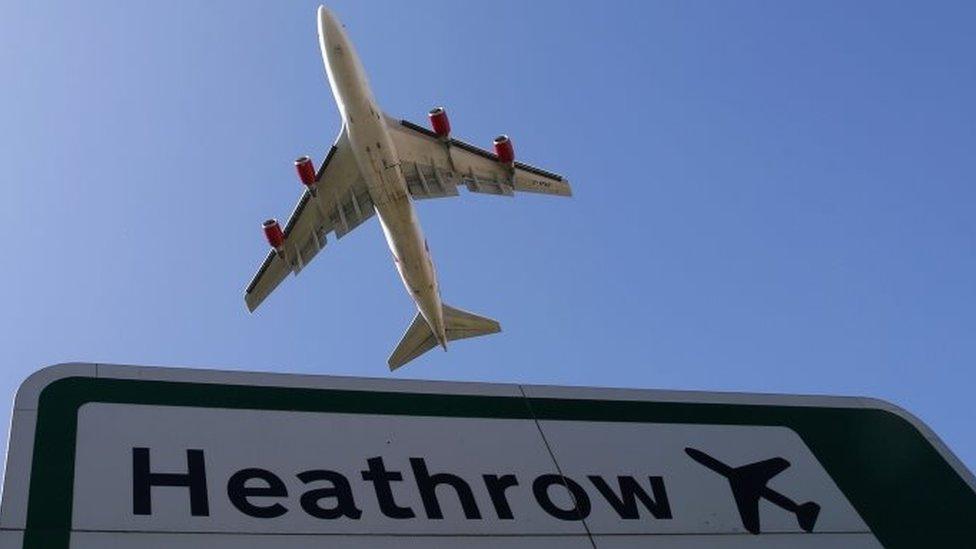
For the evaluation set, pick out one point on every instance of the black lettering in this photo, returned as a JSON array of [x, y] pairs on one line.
[[630, 491], [496, 489], [427, 485], [195, 479], [345, 505], [238, 492], [581, 501], [381, 478]]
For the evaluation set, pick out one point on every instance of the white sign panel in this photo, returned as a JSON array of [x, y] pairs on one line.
[[141, 457]]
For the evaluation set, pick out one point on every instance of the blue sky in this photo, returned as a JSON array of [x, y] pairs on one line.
[[770, 196]]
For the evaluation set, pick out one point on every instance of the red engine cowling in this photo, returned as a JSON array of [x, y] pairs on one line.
[[439, 121], [306, 170], [272, 231], [504, 149]]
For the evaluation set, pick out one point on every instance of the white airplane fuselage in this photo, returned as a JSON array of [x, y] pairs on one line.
[[366, 130]]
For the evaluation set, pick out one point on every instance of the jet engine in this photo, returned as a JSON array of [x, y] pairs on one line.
[[504, 149], [272, 231], [439, 121], [306, 170]]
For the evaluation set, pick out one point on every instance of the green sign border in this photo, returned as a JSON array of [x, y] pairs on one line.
[[901, 486]]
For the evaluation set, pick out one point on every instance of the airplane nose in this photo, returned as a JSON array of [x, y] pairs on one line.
[[328, 25]]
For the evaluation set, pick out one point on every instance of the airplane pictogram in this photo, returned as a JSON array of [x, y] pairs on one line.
[[749, 485]]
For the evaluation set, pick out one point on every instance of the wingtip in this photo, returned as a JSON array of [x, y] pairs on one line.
[[569, 189]]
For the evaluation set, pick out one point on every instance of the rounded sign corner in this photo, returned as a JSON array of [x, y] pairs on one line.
[[29, 392]]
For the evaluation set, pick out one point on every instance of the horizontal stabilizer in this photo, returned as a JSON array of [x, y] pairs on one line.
[[460, 324], [419, 337], [806, 515], [418, 340]]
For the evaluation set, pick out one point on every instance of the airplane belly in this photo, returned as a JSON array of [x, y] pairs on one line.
[[380, 166], [378, 160], [412, 258], [406, 242]]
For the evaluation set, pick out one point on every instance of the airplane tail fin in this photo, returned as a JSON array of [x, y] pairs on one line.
[[419, 338], [807, 514]]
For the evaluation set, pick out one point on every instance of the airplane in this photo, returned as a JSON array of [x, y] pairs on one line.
[[379, 165], [748, 485]]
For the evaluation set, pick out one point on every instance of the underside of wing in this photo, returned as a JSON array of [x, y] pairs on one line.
[[435, 166], [337, 202], [271, 272]]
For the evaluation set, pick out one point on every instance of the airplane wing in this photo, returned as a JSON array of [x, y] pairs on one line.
[[434, 167], [340, 203], [748, 482], [747, 502]]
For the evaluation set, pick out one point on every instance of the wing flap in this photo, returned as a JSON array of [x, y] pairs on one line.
[[427, 180], [351, 210]]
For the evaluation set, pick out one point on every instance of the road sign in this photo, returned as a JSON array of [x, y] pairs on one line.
[[140, 457]]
